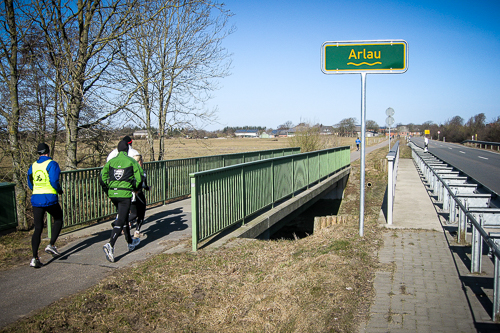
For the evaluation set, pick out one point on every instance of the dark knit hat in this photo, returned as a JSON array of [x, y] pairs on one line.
[[123, 146], [127, 139], [42, 149]]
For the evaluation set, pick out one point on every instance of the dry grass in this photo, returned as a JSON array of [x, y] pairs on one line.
[[321, 283], [184, 148]]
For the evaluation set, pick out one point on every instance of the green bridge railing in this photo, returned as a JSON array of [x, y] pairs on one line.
[[84, 201], [221, 198]]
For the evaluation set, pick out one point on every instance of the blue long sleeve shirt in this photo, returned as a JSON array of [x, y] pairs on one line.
[[45, 200]]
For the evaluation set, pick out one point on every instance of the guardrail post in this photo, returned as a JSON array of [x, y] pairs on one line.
[[194, 214], [462, 224], [272, 184], [243, 205], [293, 178], [477, 248], [165, 183], [453, 209], [496, 291]]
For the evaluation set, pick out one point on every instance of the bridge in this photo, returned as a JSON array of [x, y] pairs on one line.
[[253, 191], [227, 191]]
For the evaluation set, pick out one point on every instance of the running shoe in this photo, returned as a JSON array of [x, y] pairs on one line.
[[135, 242], [36, 263], [51, 249], [108, 250]]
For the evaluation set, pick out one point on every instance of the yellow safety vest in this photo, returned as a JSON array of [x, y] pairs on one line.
[[41, 181]]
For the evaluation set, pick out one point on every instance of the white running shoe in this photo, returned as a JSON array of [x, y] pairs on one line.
[[51, 249], [36, 263], [109, 251]]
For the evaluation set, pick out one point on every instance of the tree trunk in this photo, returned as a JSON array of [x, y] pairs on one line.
[[72, 133], [13, 120]]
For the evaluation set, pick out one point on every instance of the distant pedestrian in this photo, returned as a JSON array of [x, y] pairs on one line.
[[131, 151], [138, 208], [358, 141], [43, 180], [121, 176]]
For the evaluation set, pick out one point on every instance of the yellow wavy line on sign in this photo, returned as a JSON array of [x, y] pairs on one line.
[[365, 63]]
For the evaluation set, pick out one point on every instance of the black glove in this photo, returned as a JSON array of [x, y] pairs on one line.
[[60, 191]]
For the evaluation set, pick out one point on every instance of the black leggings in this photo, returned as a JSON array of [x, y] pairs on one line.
[[38, 212], [138, 210], [123, 207]]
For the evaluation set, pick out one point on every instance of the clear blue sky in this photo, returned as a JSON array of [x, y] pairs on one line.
[[454, 54]]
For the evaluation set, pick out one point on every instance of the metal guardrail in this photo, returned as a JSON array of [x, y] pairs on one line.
[[481, 143], [221, 198], [392, 175], [479, 235], [84, 201]]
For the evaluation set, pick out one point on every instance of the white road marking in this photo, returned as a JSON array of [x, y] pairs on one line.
[[484, 158], [462, 152]]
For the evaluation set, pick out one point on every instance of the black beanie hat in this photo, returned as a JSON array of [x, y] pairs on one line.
[[127, 139], [42, 149], [123, 146]]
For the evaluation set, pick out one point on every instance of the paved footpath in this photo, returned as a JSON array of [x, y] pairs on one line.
[[423, 284], [82, 263]]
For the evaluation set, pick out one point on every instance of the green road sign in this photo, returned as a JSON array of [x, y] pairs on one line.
[[382, 57]]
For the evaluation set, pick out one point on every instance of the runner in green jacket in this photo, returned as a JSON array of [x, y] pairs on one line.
[[119, 177]]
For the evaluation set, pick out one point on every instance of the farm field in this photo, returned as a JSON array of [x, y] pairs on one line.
[[185, 148]]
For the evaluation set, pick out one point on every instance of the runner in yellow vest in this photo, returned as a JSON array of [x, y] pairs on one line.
[[43, 180]]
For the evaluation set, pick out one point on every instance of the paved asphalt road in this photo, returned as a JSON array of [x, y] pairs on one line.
[[481, 165]]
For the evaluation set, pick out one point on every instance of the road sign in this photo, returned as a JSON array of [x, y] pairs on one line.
[[389, 112], [389, 121], [364, 57], [427, 132]]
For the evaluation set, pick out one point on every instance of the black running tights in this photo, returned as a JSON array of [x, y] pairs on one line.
[[123, 207], [38, 212]]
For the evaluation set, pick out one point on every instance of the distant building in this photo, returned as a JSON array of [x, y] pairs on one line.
[[141, 134], [326, 130], [249, 133], [279, 133]]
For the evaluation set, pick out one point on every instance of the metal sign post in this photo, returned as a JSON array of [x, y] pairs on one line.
[[363, 57]]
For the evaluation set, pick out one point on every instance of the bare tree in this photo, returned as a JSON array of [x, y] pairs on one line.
[[79, 37], [347, 126], [372, 125], [173, 63], [285, 126], [476, 125], [308, 138], [14, 28]]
